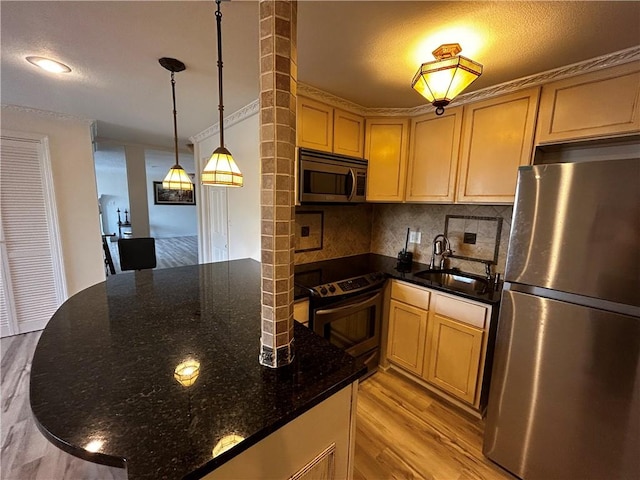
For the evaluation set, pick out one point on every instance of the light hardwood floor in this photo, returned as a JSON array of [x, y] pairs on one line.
[[402, 432], [405, 432], [170, 252]]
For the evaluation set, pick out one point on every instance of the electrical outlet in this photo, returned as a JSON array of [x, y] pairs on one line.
[[415, 237]]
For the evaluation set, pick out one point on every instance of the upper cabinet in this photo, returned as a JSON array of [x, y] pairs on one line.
[[497, 137], [433, 157], [386, 141], [314, 125], [348, 133], [322, 127], [599, 104]]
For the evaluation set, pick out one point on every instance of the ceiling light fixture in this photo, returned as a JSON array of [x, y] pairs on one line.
[[221, 169], [177, 178], [445, 78], [48, 64]]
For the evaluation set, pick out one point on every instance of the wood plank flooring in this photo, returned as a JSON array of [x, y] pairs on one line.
[[170, 252], [403, 432]]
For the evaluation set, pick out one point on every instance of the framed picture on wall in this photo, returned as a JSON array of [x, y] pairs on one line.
[[172, 197]]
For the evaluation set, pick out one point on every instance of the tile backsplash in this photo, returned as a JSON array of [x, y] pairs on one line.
[[346, 231], [390, 223], [382, 228]]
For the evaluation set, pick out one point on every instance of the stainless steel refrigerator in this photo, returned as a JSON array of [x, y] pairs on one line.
[[565, 393]]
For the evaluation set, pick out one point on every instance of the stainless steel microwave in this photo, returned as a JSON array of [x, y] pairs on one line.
[[329, 178]]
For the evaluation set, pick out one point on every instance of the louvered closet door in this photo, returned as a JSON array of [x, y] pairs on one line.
[[31, 279]]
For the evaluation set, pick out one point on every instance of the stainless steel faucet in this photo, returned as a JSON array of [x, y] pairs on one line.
[[437, 248], [487, 270]]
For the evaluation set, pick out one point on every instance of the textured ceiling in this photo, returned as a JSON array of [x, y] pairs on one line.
[[364, 51]]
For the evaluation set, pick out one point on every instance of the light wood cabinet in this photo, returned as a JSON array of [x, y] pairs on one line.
[[314, 125], [497, 137], [453, 363], [433, 157], [322, 127], [407, 336], [599, 104], [348, 133], [442, 340], [386, 143]]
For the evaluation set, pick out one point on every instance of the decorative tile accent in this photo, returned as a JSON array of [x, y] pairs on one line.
[[484, 231], [278, 78], [309, 231]]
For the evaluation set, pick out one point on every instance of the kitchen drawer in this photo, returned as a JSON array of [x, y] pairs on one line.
[[410, 294], [460, 310]]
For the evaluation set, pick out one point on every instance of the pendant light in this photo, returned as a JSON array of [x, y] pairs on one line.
[[177, 178], [441, 81], [221, 169]]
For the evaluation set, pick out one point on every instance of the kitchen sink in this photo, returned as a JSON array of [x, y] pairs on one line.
[[456, 280]]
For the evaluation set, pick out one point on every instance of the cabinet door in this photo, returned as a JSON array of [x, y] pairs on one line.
[[453, 363], [407, 336], [386, 149], [433, 157], [314, 125], [348, 133], [497, 137], [598, 104]]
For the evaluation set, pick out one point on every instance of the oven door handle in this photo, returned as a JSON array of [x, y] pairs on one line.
[[369, 300]]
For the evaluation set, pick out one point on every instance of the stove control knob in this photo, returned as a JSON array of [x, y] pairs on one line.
[[323, 291], [332, 288]]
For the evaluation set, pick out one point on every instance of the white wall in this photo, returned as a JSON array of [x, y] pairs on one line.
[[75, 190], [243, 141], [111, 178]]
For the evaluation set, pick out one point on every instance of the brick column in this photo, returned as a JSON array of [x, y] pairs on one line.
[[278, 77]]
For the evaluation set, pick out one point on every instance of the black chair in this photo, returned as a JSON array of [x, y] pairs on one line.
[[137, 253]]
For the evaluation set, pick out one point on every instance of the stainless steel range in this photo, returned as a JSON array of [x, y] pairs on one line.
[[346, 304]]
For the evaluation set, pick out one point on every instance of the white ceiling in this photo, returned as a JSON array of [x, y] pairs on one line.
[[364, 51]]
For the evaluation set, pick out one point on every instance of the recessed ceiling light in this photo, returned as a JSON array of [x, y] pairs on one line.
[[48, 64]]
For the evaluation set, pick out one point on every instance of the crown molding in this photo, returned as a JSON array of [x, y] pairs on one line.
[[594, 64], [238, 116], [66, 117], [330, 99]]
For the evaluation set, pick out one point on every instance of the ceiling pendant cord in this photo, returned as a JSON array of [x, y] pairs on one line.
[[176, 178], [220, 65], [221, 169]]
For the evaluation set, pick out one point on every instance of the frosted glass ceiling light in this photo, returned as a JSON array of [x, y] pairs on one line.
[[48, 64], [444, 79], [221, 169], [177, 178]]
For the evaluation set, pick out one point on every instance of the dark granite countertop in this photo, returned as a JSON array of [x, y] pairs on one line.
[[103, 371], [344, 267]]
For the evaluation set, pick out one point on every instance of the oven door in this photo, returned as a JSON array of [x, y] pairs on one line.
[[352, 324]]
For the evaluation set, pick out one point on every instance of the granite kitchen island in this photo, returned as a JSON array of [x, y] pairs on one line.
[[104, 385]]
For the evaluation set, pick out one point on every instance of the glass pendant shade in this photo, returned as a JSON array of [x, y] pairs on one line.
[[177, 179], [444, 79], [221, 169]]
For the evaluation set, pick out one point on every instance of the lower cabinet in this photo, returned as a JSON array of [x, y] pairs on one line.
[[454, 357], [407, 334], [441, 339]]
